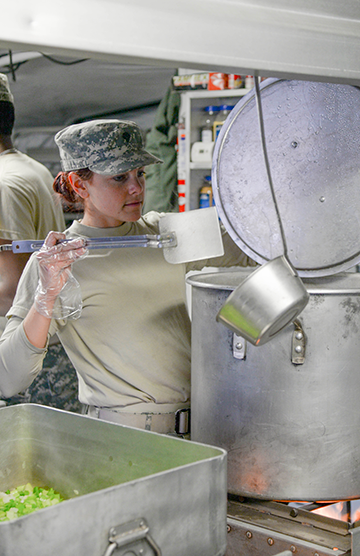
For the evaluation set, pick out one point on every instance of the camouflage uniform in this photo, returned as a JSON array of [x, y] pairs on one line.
[[55, 386], [5, 93], [106, 147]]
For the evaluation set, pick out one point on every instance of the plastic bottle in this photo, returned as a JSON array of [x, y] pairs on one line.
[[206, 134], [249, 82], [181, 164], [234, 81], [206, 196], [225, 110]]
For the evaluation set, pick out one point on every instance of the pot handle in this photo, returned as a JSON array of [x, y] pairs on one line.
[[298, 344], [130, 533], [239, 347]]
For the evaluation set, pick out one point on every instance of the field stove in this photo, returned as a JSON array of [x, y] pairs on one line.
[[269, 528]]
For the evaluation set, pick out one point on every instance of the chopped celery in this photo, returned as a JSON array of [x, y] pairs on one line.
[[26, 499]]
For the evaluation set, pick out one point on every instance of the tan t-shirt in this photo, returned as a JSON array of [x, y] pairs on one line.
[[131, 344], [29, 208]]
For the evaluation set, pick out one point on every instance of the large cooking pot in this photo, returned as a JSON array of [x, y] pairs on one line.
[[287, 412]]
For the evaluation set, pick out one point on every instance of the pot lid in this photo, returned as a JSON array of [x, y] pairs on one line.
[[343, 283], [312, 133]]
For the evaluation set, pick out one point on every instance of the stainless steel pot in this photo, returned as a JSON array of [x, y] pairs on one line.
[[287, 412]]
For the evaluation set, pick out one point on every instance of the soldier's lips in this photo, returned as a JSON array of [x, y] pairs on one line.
[[133, 204]]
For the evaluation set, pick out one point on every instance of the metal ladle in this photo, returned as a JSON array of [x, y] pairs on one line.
[[273, 295]]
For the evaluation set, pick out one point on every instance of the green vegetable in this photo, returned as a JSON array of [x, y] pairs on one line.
[[26, 499]]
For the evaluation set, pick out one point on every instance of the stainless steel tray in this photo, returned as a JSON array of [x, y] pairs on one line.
[[127, 491]]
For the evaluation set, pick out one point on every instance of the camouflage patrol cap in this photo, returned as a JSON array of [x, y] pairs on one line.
[[5, 93], [106, 147]]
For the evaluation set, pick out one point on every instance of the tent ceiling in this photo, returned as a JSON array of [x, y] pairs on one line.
[[316, 38], [134, 46], [58, 91]]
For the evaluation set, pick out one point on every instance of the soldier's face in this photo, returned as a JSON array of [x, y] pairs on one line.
[[110, 201]]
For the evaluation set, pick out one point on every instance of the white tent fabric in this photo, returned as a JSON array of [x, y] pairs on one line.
[[50, 93], [57, 90], [133, 48], [318, 38]]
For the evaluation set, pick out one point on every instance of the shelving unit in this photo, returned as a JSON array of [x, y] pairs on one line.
[[192, 113]]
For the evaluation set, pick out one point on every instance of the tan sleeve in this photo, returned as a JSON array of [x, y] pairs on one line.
[[11, 267], [20, 361]]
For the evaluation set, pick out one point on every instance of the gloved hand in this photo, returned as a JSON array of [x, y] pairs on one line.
[[58, 293]]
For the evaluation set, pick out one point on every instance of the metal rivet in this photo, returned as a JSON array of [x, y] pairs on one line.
[[294, 144], [239, 345], [299, 335], [249, 534], [270, 541], [298, 349], [293, 548], [293, 512], [322, 199]]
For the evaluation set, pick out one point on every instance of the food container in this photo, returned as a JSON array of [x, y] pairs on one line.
[[126, 491]]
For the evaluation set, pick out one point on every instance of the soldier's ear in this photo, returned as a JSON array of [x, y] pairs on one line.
[[78, 185]]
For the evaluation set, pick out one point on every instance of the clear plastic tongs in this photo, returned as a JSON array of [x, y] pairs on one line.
[[157, 241]]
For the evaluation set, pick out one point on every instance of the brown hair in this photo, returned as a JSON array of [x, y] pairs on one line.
[[63, 187]]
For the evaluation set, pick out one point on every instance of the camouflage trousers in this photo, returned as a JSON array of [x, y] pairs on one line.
[[55, 386]]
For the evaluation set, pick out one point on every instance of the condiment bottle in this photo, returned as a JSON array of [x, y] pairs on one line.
[[181, 164], [249, 82], [225, 110], [206, 134], [206, 196]]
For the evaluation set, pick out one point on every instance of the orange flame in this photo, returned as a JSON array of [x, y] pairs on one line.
[[348, 511]]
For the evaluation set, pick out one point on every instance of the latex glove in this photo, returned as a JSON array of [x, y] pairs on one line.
[[58, 293]]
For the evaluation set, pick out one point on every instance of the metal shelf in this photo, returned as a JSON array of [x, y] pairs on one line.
[[191, 111]]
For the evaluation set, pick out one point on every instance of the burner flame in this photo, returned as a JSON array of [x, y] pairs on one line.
[[348, 511]]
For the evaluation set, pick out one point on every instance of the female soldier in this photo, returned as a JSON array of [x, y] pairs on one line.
[[131, 344]]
